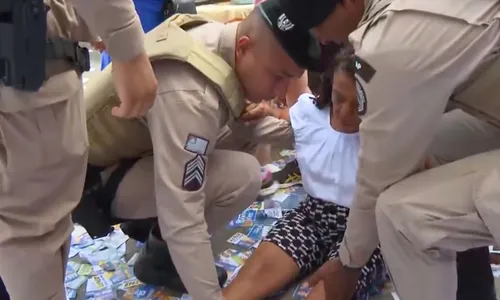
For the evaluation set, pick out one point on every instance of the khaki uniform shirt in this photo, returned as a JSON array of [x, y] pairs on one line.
[[414, 54], [185, 122], [115, 21]]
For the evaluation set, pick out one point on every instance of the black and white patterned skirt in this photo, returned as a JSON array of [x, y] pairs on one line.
[[312, 233]]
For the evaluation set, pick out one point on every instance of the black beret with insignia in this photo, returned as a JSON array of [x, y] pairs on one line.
[[299, 44], [308, 14]]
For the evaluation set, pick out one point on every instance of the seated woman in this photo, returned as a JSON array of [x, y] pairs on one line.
[[327, 144]]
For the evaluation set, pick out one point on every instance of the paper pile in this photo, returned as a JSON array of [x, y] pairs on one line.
[[98, 267]]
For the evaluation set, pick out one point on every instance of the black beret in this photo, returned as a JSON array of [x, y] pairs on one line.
[[308, 14], [299, 44]]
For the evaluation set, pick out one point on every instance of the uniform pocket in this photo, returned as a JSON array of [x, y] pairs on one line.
[[39, 138]]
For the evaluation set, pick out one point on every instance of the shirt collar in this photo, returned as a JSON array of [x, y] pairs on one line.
[[227, 43]]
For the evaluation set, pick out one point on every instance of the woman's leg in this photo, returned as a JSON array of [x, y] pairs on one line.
[[291, 248], [373, 271]]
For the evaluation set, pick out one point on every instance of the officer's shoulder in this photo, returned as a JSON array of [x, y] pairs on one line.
[[385, 40], [177, 76], [208, 34]]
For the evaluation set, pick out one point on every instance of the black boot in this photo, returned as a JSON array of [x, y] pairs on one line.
[[138, 229], [475, 278], [155, 266]]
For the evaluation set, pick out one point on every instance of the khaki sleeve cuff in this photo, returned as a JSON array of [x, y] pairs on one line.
[[360, 239], [345, 256], [127, 43]]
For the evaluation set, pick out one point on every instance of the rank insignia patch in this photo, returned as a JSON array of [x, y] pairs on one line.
[[362, 103], [194, 174], [364, 69]]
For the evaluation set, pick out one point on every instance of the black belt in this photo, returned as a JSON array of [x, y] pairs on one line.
[[63, 55], [70, 52]]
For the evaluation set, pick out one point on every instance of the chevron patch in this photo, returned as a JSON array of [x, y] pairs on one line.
[[194, 174]]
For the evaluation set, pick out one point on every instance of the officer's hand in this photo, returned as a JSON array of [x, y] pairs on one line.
[[339, 283], [136, 86], [256, 111]]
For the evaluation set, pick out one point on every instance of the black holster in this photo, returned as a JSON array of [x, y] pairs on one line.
[[23, 31], [25, 48]]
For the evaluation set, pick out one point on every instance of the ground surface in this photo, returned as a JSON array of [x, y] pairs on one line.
[[99, 268]]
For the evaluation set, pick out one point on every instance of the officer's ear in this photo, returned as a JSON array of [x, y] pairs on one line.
[[243, 44]]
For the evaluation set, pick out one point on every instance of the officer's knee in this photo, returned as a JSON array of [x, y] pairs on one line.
[[399, 219], [390, 211]]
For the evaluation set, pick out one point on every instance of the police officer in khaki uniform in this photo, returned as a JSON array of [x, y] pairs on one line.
[[43, 138], [197, 187], [414, 56]]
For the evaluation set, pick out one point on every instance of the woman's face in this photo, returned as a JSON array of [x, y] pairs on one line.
[[345, 103]]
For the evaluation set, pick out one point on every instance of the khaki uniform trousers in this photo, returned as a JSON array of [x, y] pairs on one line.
[[426, 218], [231, 186], [43, 160]]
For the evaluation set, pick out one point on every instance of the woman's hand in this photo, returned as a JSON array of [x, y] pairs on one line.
[[256, 111]]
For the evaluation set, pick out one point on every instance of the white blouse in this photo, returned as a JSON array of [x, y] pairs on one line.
[[328, 159]]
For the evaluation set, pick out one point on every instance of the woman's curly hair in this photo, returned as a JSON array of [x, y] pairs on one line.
[[345, 62]]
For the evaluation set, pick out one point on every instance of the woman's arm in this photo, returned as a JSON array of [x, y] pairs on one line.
[[280, 113]]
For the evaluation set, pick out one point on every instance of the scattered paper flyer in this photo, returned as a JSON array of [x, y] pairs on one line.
[[280, 196], [274, 213], [245, 219], [103, 268], [302, 291], [231, 259], [241, 240]]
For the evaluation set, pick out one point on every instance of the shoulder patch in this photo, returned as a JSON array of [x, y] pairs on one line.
[[362, 101], [196, 144], [364, 69], [194, 174]]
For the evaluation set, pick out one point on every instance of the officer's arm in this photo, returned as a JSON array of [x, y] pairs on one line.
[[403, 107], [184, 127], [116, 23], [269, 130]]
